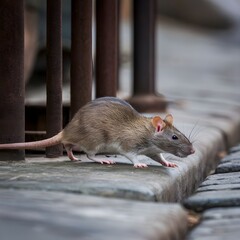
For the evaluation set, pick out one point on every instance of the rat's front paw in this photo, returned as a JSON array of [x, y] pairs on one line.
[[140, 165], [169, 164]]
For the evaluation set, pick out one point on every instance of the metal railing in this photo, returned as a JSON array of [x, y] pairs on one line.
[[12, 107]]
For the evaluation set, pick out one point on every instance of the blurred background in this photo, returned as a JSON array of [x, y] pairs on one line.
[[197, 47]]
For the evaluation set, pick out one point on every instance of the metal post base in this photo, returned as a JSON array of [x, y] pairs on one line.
[[148, 103]]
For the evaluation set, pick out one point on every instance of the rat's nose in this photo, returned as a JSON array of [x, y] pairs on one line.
[[192, 151]]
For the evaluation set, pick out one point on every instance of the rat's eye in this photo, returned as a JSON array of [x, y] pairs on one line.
[[174, 137]]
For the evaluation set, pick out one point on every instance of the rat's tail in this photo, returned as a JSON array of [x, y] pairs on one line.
[[34, 145]]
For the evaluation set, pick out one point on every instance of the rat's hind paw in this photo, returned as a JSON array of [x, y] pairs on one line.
[[71, 156]]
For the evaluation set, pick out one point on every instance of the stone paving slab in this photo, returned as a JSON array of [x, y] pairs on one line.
[[218, 190], [230, 163], [220, 179], [219, 213], [216, 187], [231, 157], [228, 167], [49, 215], [235, 149], [210, 199], [218, 198], [120, 180], [218, 224]]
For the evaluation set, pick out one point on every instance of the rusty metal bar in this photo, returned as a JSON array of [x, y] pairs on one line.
[[81, 54], [145, 99], [144, 46], [106, 47], [54, 73], [11, 73], [119, 3]]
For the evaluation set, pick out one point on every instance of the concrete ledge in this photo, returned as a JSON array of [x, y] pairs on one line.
[[43, 215], [155, 183]]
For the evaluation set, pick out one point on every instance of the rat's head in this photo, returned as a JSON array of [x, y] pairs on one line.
[[169, 139]]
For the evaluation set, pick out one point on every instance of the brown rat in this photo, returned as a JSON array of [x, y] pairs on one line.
[[112, 125]]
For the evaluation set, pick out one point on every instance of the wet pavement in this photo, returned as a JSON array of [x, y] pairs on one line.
[[218, 201]]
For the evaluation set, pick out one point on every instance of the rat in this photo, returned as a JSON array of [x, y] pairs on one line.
[[112, 125]]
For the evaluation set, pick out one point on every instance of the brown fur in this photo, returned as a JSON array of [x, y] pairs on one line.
[[111, 122]]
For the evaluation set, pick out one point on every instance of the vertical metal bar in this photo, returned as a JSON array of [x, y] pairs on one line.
[[81, 54], [106, 47], [54, 73], [119, 2], [144, 43], [11, 72], [145, 98]]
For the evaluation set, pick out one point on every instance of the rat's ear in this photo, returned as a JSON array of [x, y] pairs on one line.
[[158, 123], [169, 119]]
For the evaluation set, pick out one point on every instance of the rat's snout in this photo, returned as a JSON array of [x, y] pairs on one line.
[[184, 152], [192, 151], [189, 151]]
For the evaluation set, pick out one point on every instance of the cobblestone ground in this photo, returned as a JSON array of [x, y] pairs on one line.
[[218, 199]]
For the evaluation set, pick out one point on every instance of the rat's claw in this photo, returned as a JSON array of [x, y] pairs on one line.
[[106, 161], [174, 165], [75, 159], [169, 164], [140, 165], [102, 161]]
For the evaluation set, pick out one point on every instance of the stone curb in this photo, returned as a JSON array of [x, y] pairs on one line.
[[44, 215], [221, 189], [218, 199], [155, 183]]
